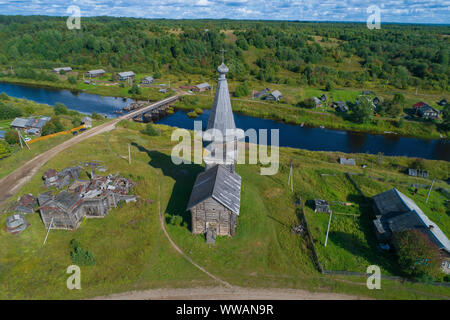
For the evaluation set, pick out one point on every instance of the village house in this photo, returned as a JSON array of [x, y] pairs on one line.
[[317, 102], [340, 106], [62, 179], [123, 76], [349, 162], [16, 224], [65, 69], [202, 87], [418, 173], [215, 199], [25, 204], [427, 112], [148, 80], [274, 96], [95, 73], [323, 98], [418, 105], [321, 206], [87, 121], [396, 212], [260, 94], [30, 125], [90, 199]]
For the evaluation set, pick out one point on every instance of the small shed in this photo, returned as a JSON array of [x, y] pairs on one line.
[[148, 80], [349, 162], [202, 87], [87, 121], [323, 97], [25, 204], [442, 103], [321, 206], [317, 102], [274, 96], [16, 224], [215, 201]]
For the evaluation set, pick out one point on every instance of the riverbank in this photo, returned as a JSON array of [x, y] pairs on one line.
[[274, 111], [299, 116]]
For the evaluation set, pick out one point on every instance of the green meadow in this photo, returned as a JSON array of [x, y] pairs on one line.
[[132, 252]]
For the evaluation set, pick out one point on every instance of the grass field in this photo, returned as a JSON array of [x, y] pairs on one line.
[[132, 252]]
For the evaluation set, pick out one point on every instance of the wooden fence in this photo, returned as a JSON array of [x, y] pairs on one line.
[[42, 138]]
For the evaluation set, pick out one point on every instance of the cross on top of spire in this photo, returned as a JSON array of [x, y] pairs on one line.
[[223, 54]]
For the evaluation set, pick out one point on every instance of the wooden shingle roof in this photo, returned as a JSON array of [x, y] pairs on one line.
[[221, 185]]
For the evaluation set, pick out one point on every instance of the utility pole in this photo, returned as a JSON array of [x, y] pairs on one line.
[[48, 231], [291, 178], [129, 153], [429, 191], [328, 228]]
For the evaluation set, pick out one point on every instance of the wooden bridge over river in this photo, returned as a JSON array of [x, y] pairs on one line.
[[151, 111]]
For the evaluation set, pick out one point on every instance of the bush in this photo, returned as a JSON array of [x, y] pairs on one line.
[[150, 130], [4, 96], [60, 109], [198, 110], [72, 80], [192, 114], [417, 255], [81, 256], [96, 116], [11, 136], [53, 126], [8, 111], [308, 103], [242, 90], [134, 89], [4, 149]]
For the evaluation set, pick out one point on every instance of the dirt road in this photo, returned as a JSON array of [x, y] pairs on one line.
[[10, 184], [221, 293]]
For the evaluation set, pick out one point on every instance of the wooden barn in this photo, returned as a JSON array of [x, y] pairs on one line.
[[215, 202]]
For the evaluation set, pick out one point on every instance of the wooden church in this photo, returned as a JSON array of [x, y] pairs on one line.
[[216, 196]]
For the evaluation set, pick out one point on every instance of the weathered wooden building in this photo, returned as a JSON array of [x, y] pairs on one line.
[[216, 196], [215, 202]]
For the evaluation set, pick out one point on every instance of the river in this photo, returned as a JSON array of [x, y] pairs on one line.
[[294, 136]]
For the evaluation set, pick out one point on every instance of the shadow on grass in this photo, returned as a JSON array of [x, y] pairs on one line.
[[184, 176]]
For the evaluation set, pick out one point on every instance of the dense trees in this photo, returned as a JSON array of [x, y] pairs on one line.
[[362, 112], [400, 55], [8, 111]]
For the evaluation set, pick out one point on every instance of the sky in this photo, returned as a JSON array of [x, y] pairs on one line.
[[399, 11]]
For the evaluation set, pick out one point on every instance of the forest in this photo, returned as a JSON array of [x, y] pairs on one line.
[[295, 53]]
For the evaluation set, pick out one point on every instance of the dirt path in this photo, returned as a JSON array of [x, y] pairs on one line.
[[220, 293], [174, 245]]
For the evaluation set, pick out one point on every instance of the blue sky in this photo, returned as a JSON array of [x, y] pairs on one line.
[[413, 11]]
